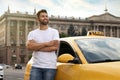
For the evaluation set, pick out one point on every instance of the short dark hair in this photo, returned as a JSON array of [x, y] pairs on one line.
[[41, 11]]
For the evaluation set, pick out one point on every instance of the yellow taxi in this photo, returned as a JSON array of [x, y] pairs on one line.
[[86, 58]]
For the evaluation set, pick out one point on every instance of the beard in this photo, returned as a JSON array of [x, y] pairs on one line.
[[44, 22]]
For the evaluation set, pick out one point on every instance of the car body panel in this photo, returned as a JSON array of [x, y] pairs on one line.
[[102, 71], [27, 70]]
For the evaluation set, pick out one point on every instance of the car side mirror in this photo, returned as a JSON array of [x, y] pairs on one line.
[[64, 58], [75, 60]]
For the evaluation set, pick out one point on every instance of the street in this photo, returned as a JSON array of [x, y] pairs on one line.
[[10, 74]]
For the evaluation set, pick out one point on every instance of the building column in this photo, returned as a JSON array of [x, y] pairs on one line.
[[18, 44], [94, 27], [104, 30], [8, 42], [9, 55], [18, 37], [97, 27], [118, 31], [26, 29], [111, 31], [26, 34]]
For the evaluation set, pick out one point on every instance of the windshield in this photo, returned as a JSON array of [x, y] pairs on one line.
[[100, 49]]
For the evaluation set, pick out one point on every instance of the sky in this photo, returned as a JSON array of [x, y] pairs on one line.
[[69, 8]]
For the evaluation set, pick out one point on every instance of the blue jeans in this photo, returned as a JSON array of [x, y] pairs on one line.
[[42, 74]]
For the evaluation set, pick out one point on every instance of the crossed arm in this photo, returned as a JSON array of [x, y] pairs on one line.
[[45, 47]]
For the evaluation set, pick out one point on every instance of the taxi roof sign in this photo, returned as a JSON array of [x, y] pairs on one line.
[[95, 33]]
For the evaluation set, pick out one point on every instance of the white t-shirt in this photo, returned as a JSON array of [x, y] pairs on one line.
[[44, 59]]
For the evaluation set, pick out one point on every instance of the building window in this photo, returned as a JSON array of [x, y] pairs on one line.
[[21, 41], [100, 28], [13, 23], [22, 23], [30, 25], [114, 31], [107, 30], [63, 27], [55, 26], [22, 50], [21, 33], [13, 50]]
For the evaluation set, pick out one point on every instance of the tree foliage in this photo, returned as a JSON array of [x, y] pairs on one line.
[[63, 35], [84, 32], [71, 30]]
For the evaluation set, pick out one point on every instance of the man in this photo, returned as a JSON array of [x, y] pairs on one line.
[[43, 41]]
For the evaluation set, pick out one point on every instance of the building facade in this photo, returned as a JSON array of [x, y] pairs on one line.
[[14, 28]]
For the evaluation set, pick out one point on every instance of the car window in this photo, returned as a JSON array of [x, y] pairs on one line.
[[66, 48], [100, 50]]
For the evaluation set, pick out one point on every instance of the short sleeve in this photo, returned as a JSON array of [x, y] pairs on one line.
[[56, 35], [30, 36]]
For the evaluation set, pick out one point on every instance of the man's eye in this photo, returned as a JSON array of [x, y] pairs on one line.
[[42, 16]]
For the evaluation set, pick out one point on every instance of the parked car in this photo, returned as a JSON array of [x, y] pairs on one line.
[[1, 73], [18, 66], [86, 58], [5, 66]]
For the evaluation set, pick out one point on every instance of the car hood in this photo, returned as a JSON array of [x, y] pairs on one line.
[[101, 71]]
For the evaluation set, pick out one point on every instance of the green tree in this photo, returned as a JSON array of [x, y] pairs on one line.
[[63, 35], [71, 30], [84, 32]]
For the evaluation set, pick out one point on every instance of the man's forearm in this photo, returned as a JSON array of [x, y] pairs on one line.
[[46, 46], [48, 49], [32, 45]]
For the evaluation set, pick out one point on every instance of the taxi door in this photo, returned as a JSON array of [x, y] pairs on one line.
[[67, 70]]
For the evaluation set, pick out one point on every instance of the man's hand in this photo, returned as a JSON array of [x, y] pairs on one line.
[[53, 43], [34, 46], [51, 46]]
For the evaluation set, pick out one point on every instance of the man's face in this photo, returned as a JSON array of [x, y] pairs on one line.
[[43, 18]]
